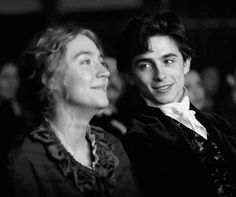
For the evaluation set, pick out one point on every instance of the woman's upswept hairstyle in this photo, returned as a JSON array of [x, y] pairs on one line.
[[135, 37], [46, 53]]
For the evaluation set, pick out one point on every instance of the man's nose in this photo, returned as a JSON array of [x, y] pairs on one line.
[[159, 73]]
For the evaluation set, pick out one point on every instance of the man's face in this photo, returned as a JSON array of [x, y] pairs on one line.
[[159, 73]]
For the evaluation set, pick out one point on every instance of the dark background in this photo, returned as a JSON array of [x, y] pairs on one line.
[[213, 23]]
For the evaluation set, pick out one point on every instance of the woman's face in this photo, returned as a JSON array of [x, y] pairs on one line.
[[9, 81], [85, 77]]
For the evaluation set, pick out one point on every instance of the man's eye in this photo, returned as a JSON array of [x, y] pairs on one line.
[[143, 66], [168, 61]]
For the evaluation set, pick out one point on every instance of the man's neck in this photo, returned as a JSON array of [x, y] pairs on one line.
[[153, 104]]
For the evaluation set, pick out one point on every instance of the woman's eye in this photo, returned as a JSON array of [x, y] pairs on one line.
[[86, 61]]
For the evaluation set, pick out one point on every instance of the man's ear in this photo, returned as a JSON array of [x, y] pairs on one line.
[[130, 78], [187, 64]]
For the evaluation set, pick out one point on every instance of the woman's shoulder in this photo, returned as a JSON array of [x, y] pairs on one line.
[[26, 156], [37, 148], [28, 150]]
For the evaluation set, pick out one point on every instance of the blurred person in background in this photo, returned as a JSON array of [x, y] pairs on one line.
[[196, 91], [110, 118], [66, 155], [14, 118], [211, 80], [228, 110]]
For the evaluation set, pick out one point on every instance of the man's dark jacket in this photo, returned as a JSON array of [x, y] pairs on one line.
[[163, 161]]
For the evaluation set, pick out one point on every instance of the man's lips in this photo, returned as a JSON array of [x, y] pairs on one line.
[[162, 88]]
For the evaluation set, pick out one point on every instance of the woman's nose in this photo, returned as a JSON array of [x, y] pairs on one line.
[[103, 71]]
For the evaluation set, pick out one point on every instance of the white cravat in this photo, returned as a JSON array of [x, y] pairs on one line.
[[181, 112]]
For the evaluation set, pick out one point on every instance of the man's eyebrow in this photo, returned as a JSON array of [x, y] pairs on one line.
[[169, 55], [146, 59], [142, 59]]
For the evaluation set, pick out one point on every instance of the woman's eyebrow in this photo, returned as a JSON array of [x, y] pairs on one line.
[[86, 53], [82, 53]]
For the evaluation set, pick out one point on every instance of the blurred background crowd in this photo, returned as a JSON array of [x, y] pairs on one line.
[[211, 83]]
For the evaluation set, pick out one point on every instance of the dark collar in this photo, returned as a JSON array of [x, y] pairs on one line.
[[85, 179]]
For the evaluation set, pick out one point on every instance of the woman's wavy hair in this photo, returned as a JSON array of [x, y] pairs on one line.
[[135, 37], [45, 54]]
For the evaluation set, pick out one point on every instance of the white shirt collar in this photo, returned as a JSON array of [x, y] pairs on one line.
[[181, 112], [183, 103]]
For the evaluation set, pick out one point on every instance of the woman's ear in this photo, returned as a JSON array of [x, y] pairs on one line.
[[187, 64], [43, 79], [51, 84]]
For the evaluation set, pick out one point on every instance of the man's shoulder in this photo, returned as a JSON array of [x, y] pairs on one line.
[[148, 118]]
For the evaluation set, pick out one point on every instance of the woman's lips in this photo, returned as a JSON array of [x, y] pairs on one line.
[[102, 86]]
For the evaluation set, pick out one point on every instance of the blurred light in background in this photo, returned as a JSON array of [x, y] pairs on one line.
[[20, 6], [66, 6], [96, 5]]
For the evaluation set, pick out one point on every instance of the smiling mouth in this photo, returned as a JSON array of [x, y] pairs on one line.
[[162, 89], [100, 87]]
